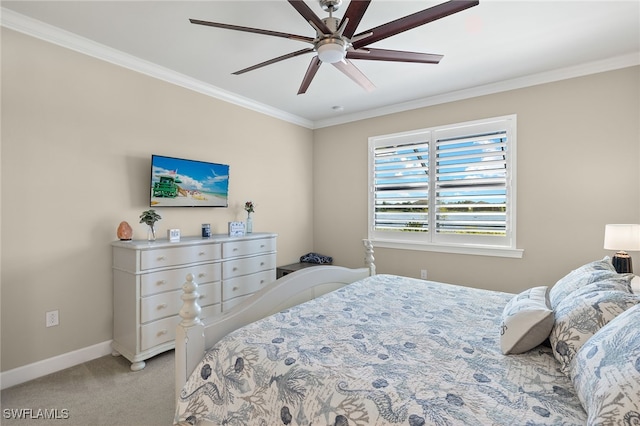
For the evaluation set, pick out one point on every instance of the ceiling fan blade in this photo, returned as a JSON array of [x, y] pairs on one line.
[[354, 12], [252, 30], [355, 74], [274, 60], [412, 21], [309, 16], [314, 65], [393, 56]]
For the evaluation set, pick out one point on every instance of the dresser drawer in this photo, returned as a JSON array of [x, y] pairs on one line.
[[235, 268], [173, 279], [246, 284], [164, 330], [170, 256], [169, 303], [158, 332], [208, 295], [247, 248]]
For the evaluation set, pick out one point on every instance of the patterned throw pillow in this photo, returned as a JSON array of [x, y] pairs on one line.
[[580, 316], [606, 372], [586, 274], [526, 321]]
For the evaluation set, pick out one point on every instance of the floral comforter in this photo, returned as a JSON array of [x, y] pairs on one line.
[[386, 350]]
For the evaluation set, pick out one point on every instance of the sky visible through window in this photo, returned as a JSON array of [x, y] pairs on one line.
[[470, 185]]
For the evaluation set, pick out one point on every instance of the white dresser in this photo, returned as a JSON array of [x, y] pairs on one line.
[[148, 278]]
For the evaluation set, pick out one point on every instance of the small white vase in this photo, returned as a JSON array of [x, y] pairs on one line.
[[249, 224]]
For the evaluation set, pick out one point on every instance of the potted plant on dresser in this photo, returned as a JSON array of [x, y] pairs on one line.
[[150, 217]]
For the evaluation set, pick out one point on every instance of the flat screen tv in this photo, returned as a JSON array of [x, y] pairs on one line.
[[177, 182]]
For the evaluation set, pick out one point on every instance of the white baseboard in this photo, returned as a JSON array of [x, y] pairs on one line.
[[47, 366]]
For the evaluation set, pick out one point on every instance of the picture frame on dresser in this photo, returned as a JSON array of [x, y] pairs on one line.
[[236, 229], [148, 279]]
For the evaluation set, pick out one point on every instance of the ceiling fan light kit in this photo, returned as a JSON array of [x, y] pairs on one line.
[[331, 50], [336, 42]]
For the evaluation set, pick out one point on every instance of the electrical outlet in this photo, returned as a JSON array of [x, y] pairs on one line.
[[52, 319], [423, 274]]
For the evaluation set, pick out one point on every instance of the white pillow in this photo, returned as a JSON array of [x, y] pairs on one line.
[[527, 320]]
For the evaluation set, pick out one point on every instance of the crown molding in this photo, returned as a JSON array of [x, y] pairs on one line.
[[55, 35], [624, 61], [38, 29]]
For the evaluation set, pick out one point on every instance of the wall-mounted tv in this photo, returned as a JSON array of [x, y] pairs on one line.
[[177, 182]]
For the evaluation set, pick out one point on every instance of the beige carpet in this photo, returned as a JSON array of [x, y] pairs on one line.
[[101, 392]]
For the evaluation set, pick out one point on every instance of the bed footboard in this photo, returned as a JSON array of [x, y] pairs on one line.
[[194, 337]]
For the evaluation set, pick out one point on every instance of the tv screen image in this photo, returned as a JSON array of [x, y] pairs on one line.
[[177, 182]]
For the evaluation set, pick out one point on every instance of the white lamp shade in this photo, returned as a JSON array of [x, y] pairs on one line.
[[622, 237]]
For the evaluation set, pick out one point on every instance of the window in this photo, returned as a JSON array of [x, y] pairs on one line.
[[448, 188]]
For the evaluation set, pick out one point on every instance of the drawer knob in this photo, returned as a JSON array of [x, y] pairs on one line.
[[202, 296], [162, 332], [161, 282], [261, 245], [201, 275], [162, 306], [261, 281], [261, 263], [201, 253], [161, 257], [234, 289], [235, 269]]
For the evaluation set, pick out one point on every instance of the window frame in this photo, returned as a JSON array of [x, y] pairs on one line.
[[431, 241]]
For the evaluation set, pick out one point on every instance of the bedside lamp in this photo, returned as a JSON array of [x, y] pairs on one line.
[[622, 237]]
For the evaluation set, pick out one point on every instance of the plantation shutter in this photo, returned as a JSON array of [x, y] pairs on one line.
[[471, 184], [446, 186], [401, 185]]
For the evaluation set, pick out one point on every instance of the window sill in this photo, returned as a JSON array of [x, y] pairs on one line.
[[450, 248]]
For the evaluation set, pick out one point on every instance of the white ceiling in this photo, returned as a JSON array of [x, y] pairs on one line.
[[494, 46]]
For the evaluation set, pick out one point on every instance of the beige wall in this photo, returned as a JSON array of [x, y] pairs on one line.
[[77, 137], [578, 169]]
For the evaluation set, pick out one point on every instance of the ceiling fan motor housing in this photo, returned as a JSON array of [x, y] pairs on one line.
[[332, 23]]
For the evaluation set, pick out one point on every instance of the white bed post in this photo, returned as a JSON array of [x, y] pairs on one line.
[[368, 258], [189, 334]]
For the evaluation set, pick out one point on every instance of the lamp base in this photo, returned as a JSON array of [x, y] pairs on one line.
[[622, 262]]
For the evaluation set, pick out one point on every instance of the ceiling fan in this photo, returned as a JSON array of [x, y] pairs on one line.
[[336, 42]]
